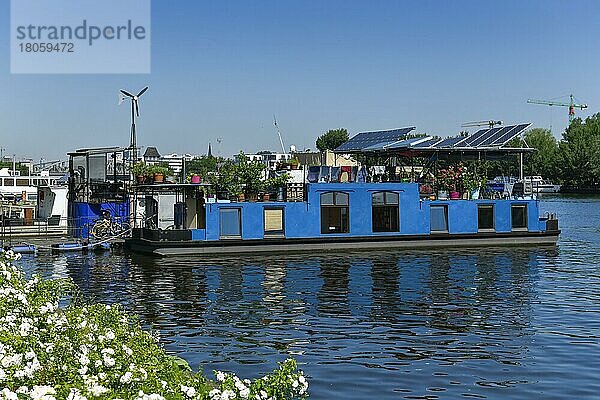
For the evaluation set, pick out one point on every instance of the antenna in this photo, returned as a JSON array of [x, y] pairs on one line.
[[278, 134], [220, 145], [490, 123], [135, 111]]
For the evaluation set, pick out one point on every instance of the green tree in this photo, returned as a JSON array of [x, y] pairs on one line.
[[203, 165], [19, 167], [544, 161], [249, 174], [579, 152], [332, 139]]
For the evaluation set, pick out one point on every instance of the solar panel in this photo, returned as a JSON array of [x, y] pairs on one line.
[[485, 136], [449, 142], [431, 142], [372, 139], [404, 144], [380, 146], [507, 137], [491, 138], [467, 141]]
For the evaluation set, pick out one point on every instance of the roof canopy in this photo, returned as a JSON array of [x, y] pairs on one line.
[[399, 141]]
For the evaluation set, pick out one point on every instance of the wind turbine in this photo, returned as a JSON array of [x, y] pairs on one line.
[[135, 111], [278, 134]]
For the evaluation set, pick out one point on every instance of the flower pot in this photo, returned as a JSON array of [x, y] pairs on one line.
[[141, 179], [266, 197], [241, 197], [442, 195], [159, 178], [195, 179], [454, 195], [294, 166], [475, 194]]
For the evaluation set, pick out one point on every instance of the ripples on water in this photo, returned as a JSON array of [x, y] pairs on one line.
[[485, 323]]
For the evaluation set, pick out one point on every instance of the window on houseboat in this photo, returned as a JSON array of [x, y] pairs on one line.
[[22, 182], [9, 182], [385, 212], [485, 217], [438, 218], [273, 218], [519, 216], [230, 222], [335, 212]]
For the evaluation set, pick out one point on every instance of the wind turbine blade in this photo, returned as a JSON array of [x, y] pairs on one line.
[[274, 120], [137, 108], [121, 98], [127, 94], [142, 91]]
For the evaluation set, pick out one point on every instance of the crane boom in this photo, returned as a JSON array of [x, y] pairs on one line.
[[571, 104]]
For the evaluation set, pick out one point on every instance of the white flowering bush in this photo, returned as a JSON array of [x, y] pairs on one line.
[[53, 346]]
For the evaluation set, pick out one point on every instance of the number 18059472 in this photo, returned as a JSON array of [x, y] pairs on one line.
[[34, 47]]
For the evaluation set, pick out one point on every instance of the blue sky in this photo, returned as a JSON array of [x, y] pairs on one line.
[[222, 69]]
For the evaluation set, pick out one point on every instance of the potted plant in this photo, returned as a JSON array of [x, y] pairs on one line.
[[224, 181], [249, 176], [472, 181], [294, 163], [160, 171], [272, 185], [448, 182], [140, 170]]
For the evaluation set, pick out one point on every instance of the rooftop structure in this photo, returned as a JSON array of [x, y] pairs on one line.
[[488, 141]]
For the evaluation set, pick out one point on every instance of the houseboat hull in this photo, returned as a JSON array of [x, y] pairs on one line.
[[257, 246]]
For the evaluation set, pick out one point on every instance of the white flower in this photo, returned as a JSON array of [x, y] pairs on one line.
[[83, 359], [127, 350], [188, 391], [98, 390], [214, 393], [220, 376], [24, 328], [227, 395], [8, 394], [109, 361], [110, 335], [74, 394], [42, 393], [126, 378]]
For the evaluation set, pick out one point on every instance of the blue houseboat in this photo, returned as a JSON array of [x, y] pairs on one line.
[[346, 216], [355, 211]]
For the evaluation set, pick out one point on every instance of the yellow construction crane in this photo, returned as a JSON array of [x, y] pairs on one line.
[[571, 104]]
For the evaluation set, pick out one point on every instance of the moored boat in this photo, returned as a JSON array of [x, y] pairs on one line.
[[541, 185], [342, 217]]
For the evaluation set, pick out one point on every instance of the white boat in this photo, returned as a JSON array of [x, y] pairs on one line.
[[13, 185], [541, 185]]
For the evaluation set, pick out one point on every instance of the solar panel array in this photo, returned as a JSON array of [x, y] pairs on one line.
[[376, 140], [396, 140]]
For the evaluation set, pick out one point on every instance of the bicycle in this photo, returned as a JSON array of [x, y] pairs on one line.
[[106, 228]]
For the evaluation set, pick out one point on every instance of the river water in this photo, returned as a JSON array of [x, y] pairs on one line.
[[496, 323]]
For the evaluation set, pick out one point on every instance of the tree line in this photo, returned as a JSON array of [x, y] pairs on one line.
[[573, 160]]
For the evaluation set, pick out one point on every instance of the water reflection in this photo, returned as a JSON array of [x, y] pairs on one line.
[[354, 319]]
